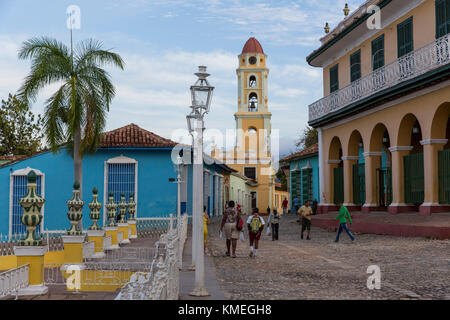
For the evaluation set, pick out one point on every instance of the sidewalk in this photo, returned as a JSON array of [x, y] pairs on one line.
[[382, 223], [187, 277]]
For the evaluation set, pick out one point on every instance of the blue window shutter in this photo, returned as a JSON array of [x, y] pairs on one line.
[[355, 66], [378, 53]]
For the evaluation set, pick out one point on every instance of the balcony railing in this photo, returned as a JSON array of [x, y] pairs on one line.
[[416, 63]]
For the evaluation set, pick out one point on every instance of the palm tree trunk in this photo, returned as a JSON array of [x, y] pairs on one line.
[[78, 164]]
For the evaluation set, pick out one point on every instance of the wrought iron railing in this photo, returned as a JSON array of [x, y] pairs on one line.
[[416, 63], [13, 280]]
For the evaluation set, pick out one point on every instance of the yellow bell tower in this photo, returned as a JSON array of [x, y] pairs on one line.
[[252, 156]]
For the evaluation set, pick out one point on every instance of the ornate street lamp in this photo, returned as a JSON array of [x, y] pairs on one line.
[[201, 95]]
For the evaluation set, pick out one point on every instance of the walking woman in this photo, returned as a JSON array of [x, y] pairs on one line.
[[229, 221], [206, 221], [274, 222]]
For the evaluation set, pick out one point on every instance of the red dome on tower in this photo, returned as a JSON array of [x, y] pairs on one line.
[[252, 46]]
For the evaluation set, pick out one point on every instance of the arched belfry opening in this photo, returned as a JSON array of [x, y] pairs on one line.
[[252, 82], [253, 102]]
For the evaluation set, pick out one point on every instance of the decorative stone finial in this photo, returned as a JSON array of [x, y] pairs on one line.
[[327, 28], [123, 209], [346, 10], [131, 207], [31, 204], [75, 213], [95, 207], [111, 207]]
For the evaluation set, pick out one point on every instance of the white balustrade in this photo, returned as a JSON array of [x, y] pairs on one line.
[[13, 280], [411, 65], [107, 242], [88, 250]]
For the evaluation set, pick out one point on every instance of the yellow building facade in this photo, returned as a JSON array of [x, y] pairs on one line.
[[383, 121], [251, 156]]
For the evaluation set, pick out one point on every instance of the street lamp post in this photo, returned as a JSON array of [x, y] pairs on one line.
[[178, 182], [201, 94]]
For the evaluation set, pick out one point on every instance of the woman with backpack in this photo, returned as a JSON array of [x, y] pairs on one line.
[[255, 225], [229, 221]]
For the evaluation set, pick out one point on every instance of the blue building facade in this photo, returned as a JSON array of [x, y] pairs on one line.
[[302, 173], [130, 160]]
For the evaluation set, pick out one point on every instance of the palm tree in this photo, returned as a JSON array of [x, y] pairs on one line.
[[76, 113]]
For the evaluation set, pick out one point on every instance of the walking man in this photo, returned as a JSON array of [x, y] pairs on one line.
[[305, 215], [342, 217], [255, 225], [285, 204]]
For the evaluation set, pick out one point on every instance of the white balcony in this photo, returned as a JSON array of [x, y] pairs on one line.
[[416, 63]]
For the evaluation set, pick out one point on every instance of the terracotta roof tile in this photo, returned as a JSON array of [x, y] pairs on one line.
[[134, 136], [252, 46], [308, 151]]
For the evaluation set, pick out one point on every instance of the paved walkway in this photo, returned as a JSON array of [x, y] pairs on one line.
[[187, 277], [411, 268]]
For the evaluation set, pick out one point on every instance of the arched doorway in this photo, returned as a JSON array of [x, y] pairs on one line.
[[336, 171], [380, 144], [356, 167], [410, 135], [440, 144]]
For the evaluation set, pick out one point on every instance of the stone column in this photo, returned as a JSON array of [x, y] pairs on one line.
[[122, 223], [74, 239], [328, 199], [349, 161], [30, 250], [132, 219], [372, 163], [398, 204], [111, 228], [95, 232], [431, 150]]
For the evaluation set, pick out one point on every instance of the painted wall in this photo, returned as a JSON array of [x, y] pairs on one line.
[[156, 195], [424, 32], [300, 163]]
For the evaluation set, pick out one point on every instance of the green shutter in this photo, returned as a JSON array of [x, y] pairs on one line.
[[442, 18], [355, 66], [444, 176], [405, 42], [414, 178], [306, 185], [359, 184], [295, 184], [378, 52], [334, 78], [338, 185]]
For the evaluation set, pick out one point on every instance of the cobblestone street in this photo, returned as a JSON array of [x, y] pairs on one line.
[[411, 268]]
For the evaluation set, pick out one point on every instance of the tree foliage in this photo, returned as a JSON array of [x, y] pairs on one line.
[[282, 177], [308, 138], [20, 129]]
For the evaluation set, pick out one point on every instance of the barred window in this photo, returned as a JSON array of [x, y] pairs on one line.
[[18, 189]]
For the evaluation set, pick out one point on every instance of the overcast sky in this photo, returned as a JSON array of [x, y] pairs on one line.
[[163, 42]]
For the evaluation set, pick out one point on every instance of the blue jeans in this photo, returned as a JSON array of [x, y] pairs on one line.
[[344, 226]]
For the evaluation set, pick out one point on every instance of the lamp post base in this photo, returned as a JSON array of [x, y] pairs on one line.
[[200, 292]]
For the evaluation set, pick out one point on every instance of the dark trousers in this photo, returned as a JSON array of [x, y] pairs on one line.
[[275, 230], [344, 226]]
